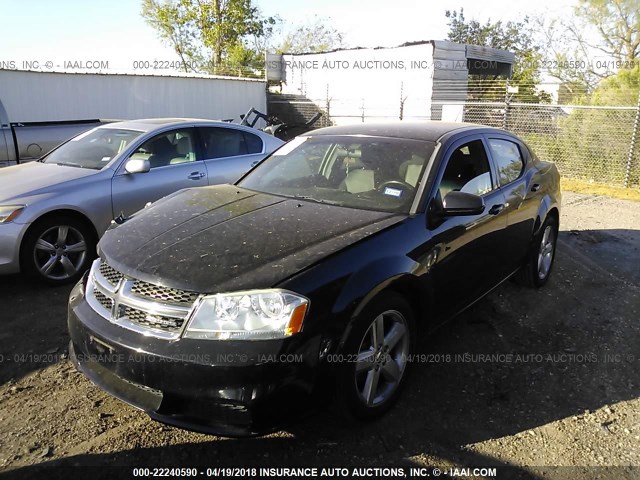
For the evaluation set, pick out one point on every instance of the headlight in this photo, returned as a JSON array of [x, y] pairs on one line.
[[252, 315], [9, 212]]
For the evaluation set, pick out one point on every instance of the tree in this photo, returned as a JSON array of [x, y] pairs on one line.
[[618, 24], [516, 37], [316, 36], [206, 32], [619, 89]]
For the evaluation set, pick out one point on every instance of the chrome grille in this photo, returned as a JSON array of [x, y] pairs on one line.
[[153, 321], [110, 274], [137, 305], [163, 294], [105, 301]]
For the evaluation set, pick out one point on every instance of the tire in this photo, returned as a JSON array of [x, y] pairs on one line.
[[57, 250], [370, 378], [537, 269]]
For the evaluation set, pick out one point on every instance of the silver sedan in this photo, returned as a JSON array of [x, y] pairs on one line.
[[52, 212]]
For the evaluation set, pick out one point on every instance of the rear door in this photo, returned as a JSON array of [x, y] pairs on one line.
[[174, 165], [510, 158], [229, 152], [470, 250]]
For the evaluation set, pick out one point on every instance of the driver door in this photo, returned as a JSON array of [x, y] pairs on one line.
[[471, 248], [174, 165]]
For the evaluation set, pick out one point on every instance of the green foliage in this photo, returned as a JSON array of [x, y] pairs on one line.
[[207, 33], [589, 144], [317, 36], [619, 89], [516, 37]]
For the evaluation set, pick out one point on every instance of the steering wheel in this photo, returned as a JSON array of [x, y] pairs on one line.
[[397, 184]]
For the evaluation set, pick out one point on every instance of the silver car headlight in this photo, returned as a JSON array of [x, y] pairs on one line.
[[9, 213], [251, 315]]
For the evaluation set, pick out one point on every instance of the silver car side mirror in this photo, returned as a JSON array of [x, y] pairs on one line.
[[137, 165]]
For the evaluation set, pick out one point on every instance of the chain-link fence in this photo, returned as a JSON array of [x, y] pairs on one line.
[[587, 141], [595, 143]]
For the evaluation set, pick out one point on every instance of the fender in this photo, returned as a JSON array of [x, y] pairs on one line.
[[386, 273]]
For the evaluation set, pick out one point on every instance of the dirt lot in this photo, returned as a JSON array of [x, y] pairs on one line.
[[563, 391]]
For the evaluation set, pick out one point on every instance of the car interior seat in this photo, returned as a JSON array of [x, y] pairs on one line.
[[162, 151], [455, 174], [361, 180], [409, 170], [184, 151]]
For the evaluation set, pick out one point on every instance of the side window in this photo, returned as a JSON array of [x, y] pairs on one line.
[[253, 142], [228, 142], [508, 160], [169, 148], [467, 170]]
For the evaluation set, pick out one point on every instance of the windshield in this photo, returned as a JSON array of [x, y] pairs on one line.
[[372, 173], [93, 149]]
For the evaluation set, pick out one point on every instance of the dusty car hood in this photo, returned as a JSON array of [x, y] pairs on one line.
[[34, 178], [224, 238]]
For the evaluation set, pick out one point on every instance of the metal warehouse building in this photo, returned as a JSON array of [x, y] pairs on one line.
[[421, 80]]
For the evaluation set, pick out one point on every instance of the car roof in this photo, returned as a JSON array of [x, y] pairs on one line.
[[148, 124], [432, 130]]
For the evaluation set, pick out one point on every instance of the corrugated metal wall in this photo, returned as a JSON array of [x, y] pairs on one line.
[[366, 82], [44, 96]]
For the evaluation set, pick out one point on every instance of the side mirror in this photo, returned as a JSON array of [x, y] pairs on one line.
[[462, 203], [137, 165]]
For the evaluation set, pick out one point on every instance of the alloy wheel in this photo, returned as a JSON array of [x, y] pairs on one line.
[[60, 252], [382, 358], [545, 254]]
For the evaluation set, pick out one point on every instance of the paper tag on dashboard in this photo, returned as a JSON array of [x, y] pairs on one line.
[[394, 192]]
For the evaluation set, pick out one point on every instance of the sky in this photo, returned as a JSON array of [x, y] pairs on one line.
[[58, 35]]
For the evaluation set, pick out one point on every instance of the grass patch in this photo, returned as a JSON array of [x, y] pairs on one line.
[[581, 186]]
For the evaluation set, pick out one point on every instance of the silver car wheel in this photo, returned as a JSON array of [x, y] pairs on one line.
[[545, 254], [60, 252], [382, 358]]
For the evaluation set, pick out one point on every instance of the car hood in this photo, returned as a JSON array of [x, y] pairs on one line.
[[35, 178], [225, 238]]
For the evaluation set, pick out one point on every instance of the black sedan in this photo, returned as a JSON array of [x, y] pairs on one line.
[[230, 309]]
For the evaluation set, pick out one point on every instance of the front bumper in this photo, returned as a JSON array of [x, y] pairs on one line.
[[10, 238], [230, 388]]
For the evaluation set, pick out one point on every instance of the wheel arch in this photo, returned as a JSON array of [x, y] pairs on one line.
[[79, 216], [407, 286], [547, 208]]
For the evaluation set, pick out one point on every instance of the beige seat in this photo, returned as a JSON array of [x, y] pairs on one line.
[[360, 181], [410, 170], [184, 151]]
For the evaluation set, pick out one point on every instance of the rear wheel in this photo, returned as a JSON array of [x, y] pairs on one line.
[[57, 250], [537, 270], [376, 356]]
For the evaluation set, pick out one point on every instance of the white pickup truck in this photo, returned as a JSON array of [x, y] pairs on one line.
[[23, 142]]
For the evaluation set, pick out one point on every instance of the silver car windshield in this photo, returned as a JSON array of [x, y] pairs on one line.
[[93, 149], [371, 173]]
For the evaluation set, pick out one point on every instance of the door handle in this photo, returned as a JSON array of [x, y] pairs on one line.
[[196, 175], [496, 209], [253, 164], [535, 187]]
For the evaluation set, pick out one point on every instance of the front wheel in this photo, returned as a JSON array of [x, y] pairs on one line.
[[537, 270], [57, 250], [377, 353]]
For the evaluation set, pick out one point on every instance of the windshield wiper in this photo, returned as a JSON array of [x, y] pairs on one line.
[[69, 164], [317, 200]]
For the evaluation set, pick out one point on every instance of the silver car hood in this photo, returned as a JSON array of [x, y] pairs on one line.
[[35, 178]]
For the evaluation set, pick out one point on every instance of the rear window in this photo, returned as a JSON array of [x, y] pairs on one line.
[[508, 159]]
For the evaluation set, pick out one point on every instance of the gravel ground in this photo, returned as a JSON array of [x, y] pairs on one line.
[[544, 381]]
